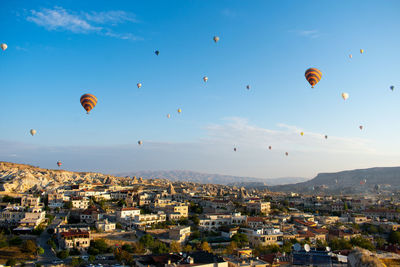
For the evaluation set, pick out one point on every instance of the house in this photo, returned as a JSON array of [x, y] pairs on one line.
[[32, 218], [11, 214], [263, 236], [259, 207], [125, 213], [30, 201], [80, 203], [74, 239], [90, 215], [149, 219], [213, 221], [179, 233], [105, 226]]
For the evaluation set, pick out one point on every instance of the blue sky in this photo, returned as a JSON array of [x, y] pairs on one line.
[[59, 50]]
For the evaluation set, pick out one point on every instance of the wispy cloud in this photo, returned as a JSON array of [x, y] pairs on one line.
[[308, 33], [59, 18]]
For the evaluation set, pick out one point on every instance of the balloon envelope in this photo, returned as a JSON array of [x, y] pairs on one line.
[[33, 132], [88, 102], [139, 85], [313, 76], [205, 78], [157, 52], [216, 38], [3, 46], [345, 96]]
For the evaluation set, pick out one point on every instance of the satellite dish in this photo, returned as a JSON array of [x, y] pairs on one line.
[[307, 247], [297, 247], [328, 249]]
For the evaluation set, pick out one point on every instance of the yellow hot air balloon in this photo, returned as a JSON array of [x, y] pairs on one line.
[[205, 78], [168, 116], [33, 132], [216, 39], [139, 85], [361, 51], [179, 110], [345, 96], [3, 46], [140, 142], [301, 133], [350, 56]]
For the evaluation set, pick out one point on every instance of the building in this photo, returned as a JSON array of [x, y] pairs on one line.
[[215, 220], [179, 233], [80, 203], [30, 201], [105, 226], [126, 213], [32, 218], [74, 239], [259, 207], [264, 236], [11, 214], [148, 219]]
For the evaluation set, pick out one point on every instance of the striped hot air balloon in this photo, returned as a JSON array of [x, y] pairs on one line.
[[313, 76], [59, 163], [88, 102]]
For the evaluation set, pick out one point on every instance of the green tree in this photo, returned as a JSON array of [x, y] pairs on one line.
[[68, 205], [230, 249], [159, 248], [240, 239], [63, 254], [76, 261], [92, 258], [362, 243], [205, 246], [11, 262], [340, 244], [123, 257], [147, 241], [394, 237], [40, 251], [188, 248], [15, 241], [29, 246], [100, 245], [175, 247]]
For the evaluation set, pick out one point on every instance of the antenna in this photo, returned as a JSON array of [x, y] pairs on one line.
[[297, 247], [307, 247]]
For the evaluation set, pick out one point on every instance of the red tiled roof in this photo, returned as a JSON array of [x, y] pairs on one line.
[[131, 208], [75, 233]]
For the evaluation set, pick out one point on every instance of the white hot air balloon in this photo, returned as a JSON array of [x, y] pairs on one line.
[[3, 47], [345, 96], [33, 132], [205, 78], [139, 85]]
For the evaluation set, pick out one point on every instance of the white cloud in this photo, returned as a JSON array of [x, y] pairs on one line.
[[308, 33], [59, 18]]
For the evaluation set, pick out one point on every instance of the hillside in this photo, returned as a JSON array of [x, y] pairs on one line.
[[353, 181], [20, 178], [204, 178]]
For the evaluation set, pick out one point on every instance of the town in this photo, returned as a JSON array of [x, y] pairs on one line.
[[155, 222]]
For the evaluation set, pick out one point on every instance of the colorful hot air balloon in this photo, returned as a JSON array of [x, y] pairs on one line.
[[88, 102], [361, 51], [248, 87], [140, 142], [168, 116], [286, 153], [33, 132], [205, 78], [301, 133], [157, 52], [216, 39], [59, 163], [345, 96], [313, 76], [3, 47], [392, 87], [139, 85], [361, 127], [179, 110], [270, 147]]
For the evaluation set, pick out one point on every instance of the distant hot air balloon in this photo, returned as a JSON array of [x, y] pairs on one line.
[[216, 39], [313, 76], [326, 137], [59, 163], [33, 132], [361, 51], [3, 46], [270, 147], [179, 110], [139, 85], [345, 96], [205, 78], [157, 52], [361, 127], [392, 87], [88, 102], [286, 153], [140, 142], [301, 133], [168, 116], [234, 149], [350, 56], [248, 87]]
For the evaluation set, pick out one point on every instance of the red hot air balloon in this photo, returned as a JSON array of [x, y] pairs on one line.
[[59, 163]]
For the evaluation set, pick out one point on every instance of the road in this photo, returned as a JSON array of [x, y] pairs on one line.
[[48, 256]]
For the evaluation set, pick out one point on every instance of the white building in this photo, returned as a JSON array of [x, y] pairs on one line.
[[126, 213], [213, 221], [105, 226]]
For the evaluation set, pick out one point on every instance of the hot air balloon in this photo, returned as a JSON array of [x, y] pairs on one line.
[[168, 116], [361, 51], [88, 102], [361, 127], [350, 56], [345, 96], [301, 133], [286, 153], [205, 78], [179, 110], [139, 85], [234, 149], [140, 142], [33, 132], [216, 39], [313, 76], [157, 52], [248, 87], [3, 46], [392, 87], [270, 147], [59, 163], [326, 137]]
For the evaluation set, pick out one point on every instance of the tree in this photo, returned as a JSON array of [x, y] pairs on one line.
[[29, 246], [92, 258], [230, 249], [240, 239], [76, 261], [40, 251], [147, 241], [15, 241], [11, 262], [340, 244], [394, 237], [195, 219], [127, 248], [175, 247], [100, 245], [63, 254], [205, 246], [188, 248], [160, 248], [123, 256], [362, 243], [68, 205]]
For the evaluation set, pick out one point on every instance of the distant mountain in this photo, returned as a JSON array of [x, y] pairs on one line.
[[353, 181], [204, 178]]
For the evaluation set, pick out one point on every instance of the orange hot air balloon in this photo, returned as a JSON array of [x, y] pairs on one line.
[[313, 76], [88, 102]]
